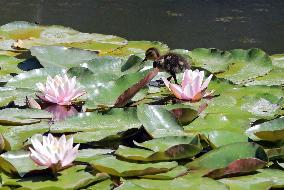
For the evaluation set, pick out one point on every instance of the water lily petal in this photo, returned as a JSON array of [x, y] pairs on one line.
[[176, 89], [206, 82]]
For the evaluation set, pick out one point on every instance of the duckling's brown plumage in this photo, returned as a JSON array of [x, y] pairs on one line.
[[171, 63]]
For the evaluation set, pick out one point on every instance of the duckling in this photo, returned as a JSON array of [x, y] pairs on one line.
[[171, 63]]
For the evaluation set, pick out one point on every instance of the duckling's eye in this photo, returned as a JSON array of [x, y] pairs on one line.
[[148, 53]]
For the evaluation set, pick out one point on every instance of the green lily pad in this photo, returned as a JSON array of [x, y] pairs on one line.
[[62, 57], [174, 173], [238, 66], [275, 153], [176, 184], [138, 47], [18, 163], [14, 116], [266, 179], [213, 60], [246, 65], [224, 155], [126, 169], [29, 79], [106, 93], [88, 155], [277, 60], [20, 30], [156, 118], [241, 166], [119, 119], [165, 148], [9, 65], [16, 95], [102, 185], [16, 136], [271, 130], [72, 178]]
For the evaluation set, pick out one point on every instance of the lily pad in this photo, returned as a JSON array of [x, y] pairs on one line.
[[29, 79], [213, 60], [156, 118], [126, 169], [18, 163], [176, 184], [16, 95], [72, 178], [224, 155], [102, 185], [174, 173], [9, 65], [16, 136], [271, 130], [62, 57], [241, 166], [265, 179], [165, 148], [246, 65], [106, 93], [88, 155], [119, 119], [14, 116]]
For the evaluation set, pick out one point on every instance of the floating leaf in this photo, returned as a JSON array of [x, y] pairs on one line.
[[174, 173], [88, 155], [178, 183], [271, 130], [165, 148], [18, 162], [156, 118], [14, 116], [115, 119], [15, 136], [16, 95], [20, 30], [275, 153], [102, 185], [106, 93], [266, 179], [72, 178], [212, 60], [29, 79], [138, 47], [62, 57], [9, 65], [224, 155], [125, 169], [246, 65], [240, 166]]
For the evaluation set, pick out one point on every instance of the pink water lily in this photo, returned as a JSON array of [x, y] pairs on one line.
[[59, 90], [52, 152], [192, 87]]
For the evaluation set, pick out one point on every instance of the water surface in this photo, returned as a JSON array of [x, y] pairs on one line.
[[224, 24]]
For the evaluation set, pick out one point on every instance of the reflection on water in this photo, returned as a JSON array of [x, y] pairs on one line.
[[224, 24], [61, 112]]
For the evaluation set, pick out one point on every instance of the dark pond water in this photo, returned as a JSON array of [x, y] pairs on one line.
[[224, 24]]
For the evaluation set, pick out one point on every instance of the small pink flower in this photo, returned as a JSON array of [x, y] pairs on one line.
[[53, 153], [192, 88], [60, 90]]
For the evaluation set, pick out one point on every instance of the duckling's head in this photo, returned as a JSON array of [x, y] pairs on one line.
[[152, 54]]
